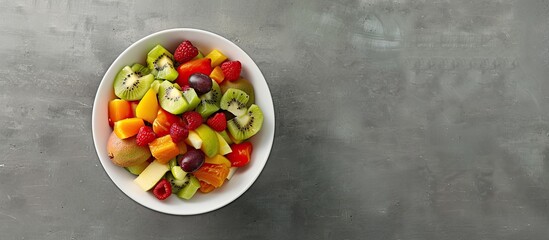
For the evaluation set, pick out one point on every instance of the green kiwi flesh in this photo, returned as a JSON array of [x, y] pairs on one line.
[[234, 101], [160, 61], [171, 99], [209, 102], [130, 86], [247, 125], [140, 70], [241, 84], [192, 98]]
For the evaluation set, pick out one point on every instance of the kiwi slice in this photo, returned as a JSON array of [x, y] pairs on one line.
[[155, 85], [177, 185], [191, 97], [140, 70], [241, 84], [247, 125], [188, 191], [209, 102], [160, 62], [171, 99], [130, 86], [234, 101]]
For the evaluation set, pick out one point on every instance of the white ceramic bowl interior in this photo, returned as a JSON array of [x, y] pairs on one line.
[[262, 142]]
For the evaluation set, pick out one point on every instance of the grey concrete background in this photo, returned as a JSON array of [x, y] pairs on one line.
[[395, 119]]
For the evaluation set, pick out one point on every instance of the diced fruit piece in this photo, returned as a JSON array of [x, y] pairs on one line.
[[191, 97], [171, 99], [137, 169], [232, 170], [126, 152], [231, 70], [190, 189], [185, 52], [218, 159], [226, 137], [194, 140], [210, 144], [162, 190], [182, 147], [206, 187], [130, 86], [217, 122], [145, 136], [155, 85], [217, 57], [193, 119], [178, 173], [151, 175], [200, 82], [195, 66], [242, 84], [177, 185], [214, 174], [128, 127], [191, 161], [163, 122], [217, 75], [164, 149], [224, 147], [160, 61], [178, 132], [241, 154], [147, 109], [233, 139], [133, 105], [140, 70], [210, 101], [234, 101], [172, 162], [247, 125], [119, 109]]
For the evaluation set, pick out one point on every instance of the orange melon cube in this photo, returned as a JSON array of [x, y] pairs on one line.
[[164, 149], [217, 75], [128, 127], [147, 109], [119, 109]]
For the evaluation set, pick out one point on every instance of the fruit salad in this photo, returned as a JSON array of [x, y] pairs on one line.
[[182, 122]]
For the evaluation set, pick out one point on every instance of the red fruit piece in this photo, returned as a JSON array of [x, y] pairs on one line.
[[162, 190], [178, 132], [218, 122], [194, 119], [185, 70], [241, 154], [145, 136], [231, 70], [185, 52]]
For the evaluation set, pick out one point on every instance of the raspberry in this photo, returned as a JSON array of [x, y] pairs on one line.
[[231, 70], [178, 132], [185, 52], [163, 189], [218, 122], [145, 136], [194, 119]]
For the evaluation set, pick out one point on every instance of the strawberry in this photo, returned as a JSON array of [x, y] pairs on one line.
[[178, 132], [145, 136], [218, 122], [185, 52], [241, 154], [193, 119], [231, 70], [203, 65], [163, 189]]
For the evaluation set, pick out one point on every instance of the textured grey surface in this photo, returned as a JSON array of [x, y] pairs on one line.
[[395, 119]]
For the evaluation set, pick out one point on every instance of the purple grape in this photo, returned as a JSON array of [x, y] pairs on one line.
[[200, 82], [191, 160]]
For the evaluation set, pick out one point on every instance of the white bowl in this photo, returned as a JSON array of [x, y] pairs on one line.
[[262, 142]]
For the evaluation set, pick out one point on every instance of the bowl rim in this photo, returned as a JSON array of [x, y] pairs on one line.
[[268, 146]]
